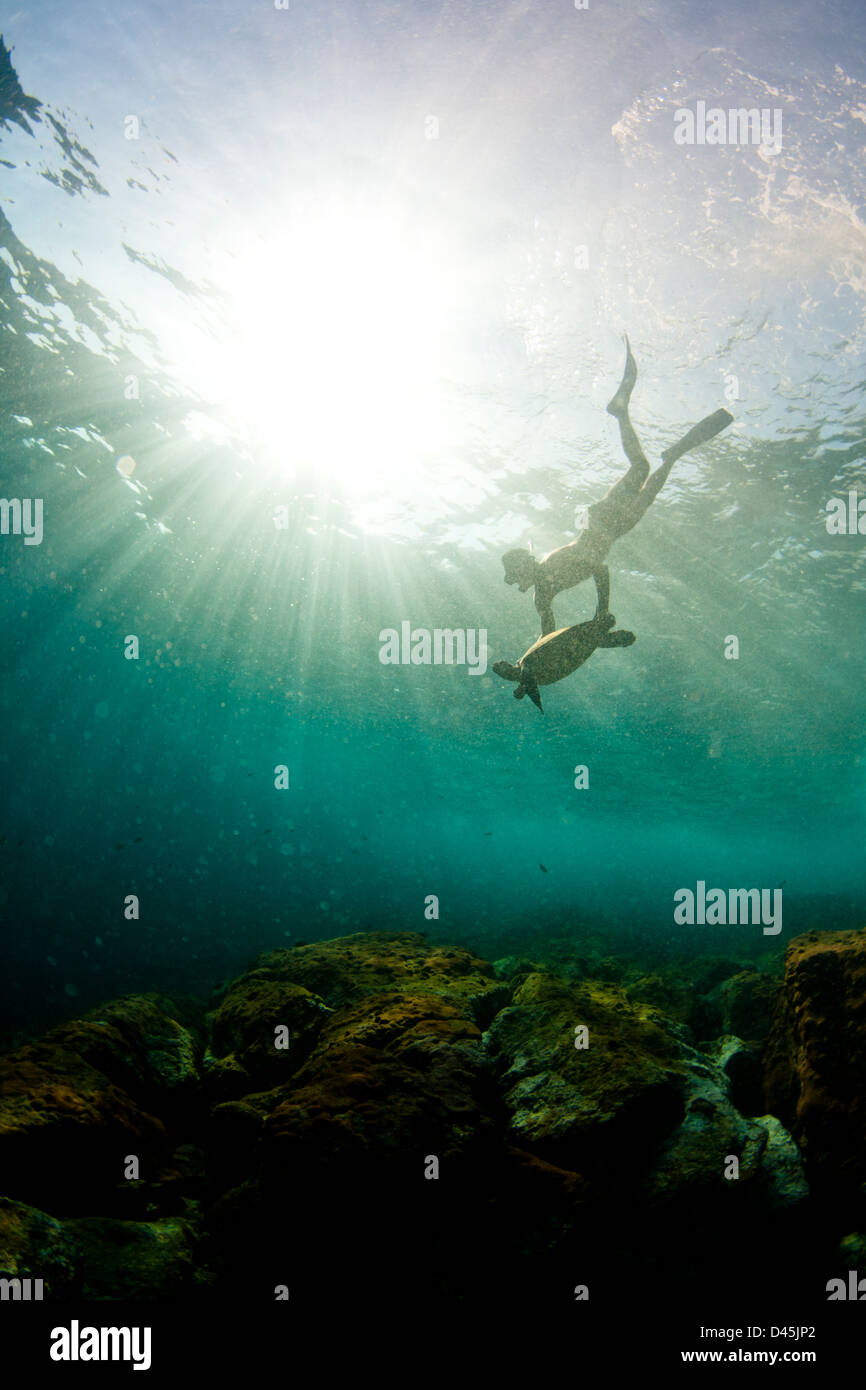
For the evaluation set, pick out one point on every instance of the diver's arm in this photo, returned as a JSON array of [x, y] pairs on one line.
[[544, 604]]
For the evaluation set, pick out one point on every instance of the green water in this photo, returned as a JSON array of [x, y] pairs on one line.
[[406, 467]]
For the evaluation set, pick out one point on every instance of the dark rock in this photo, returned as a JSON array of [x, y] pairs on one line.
[[742, 1063], [135, 1259], [690, 1176], [243, 1056], [65, 1130], [747, 1002], [34, 1245], [142, 1049], [347, 968], [852, 1252], [583, 1110], [815, 1059], [394, 1077]]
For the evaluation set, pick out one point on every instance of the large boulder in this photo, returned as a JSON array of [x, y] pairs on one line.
[[138, 1044], [747, 1001], [588, 1110], [34, 1245], [693, 1173], [347, 968], [243, 1055], [66, 1131], [394, 1077], [135, 1259], [815, 1059]]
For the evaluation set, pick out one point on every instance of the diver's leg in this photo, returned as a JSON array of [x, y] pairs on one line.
[[656, 481], [618, 408], [698, 434]]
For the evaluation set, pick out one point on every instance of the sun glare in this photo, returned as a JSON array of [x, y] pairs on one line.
[[338, 340]]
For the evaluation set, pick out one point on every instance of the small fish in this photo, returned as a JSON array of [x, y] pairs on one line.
[[488, 832], [138, 839], [118, 846], [542, 868], [782, 884]]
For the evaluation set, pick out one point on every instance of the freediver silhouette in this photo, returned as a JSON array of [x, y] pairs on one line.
[[618, 511]]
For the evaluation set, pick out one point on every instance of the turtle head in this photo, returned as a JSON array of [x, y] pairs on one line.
[[506, 671], [622, 638]]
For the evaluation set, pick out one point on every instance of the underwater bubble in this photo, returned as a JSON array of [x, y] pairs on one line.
[[71, 990], [287, 849], [125, 465], [217, 774], [102, 710]]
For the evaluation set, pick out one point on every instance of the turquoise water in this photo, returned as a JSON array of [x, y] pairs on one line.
[[371, 265]]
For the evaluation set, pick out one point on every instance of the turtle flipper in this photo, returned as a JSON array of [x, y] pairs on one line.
[[532, 692]]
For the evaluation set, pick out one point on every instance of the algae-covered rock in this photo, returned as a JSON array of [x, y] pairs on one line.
[[671, 997], [65, 1130], [135, 1259], [510, 967], [852, 1252], [243, 1054], [347, 968], [747, 1002], [815, 1060], [141, 1048], [742, 1063], [782, 1172], [585, 1108], [693, 1170], [393, 1077], [34, 1245]]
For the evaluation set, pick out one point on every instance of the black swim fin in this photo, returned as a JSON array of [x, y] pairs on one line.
[[698, 434], [618, 406]]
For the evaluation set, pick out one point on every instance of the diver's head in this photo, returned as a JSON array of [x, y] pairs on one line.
[[520, 568]]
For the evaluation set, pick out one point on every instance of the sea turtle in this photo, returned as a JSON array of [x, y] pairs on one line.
[[558, 654]]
